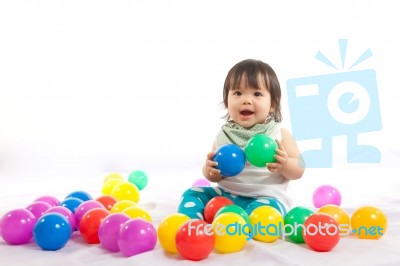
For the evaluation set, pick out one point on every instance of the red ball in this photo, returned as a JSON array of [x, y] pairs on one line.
[[90, 223], [213, 206], [321, 232], [195, 240], [107, 201]]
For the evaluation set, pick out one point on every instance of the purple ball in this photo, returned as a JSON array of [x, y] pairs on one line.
[[85, 207], [109, 230], [326, 194], [137, 236], [64, 211], [53, 201], [202, 182], [38, 208], [17, 226]]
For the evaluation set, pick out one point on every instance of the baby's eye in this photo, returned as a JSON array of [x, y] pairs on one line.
[[257, 93], [238, 93]]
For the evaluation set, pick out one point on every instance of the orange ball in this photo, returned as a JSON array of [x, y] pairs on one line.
[[339, 215], [368, 222]]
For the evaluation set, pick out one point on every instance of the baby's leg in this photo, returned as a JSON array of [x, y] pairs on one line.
[[195, 199], [250, 204]]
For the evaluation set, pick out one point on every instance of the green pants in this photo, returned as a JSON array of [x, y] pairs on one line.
[[195, 199]]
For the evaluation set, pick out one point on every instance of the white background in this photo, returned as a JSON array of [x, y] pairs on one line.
[[91, 87]]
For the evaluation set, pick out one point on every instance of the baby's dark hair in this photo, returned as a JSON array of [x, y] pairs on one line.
[[253, 69]]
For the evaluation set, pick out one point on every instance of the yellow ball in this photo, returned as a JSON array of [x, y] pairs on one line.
[[339, 215], [368, 223], [267, 224], [167, 230], [137, 212], [231, 232], [109, 185], [125, 191], [121, 205], [113, 176]]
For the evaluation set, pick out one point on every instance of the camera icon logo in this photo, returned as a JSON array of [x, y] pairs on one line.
[[346, 103]]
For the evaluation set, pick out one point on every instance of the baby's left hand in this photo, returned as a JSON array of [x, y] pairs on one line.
[[281, 158]]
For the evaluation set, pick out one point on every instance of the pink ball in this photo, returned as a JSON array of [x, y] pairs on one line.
[[109, 230], [53, 201], [84, 207], [64, 211], [38, 208], [326, 194], [137, 236], [17, 226], [202, 182]]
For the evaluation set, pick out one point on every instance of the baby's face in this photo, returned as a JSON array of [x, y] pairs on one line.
[[249, 106]]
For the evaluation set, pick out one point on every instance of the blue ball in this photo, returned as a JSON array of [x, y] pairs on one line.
[[231, 160], [71, 203], [51, 231], [83, 195]]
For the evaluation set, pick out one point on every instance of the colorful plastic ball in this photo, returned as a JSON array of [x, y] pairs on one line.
[[109, 230], [137, 212], [38, 208], [53, 201], [269, 201], [234, 209], [16, 226], [107, 201], [121, 205], [71, 203], [369, 222], [167, 230], [52, 231], [138, 178], [109, 185], [195, 240], [213, 206], [126, 191], [113, 176], [137, 236], [84, 207], [231, 232], [326, 194], [231, 160], [267, 223], [294, 221], [83, 195], [202, 182], [64, 211], [321, 232], [340, 216], [90, 223], [260, 150]]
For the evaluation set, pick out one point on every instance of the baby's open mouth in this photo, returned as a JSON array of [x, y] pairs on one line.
[[246, 113]]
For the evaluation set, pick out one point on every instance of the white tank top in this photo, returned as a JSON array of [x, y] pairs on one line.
[[258, 182]]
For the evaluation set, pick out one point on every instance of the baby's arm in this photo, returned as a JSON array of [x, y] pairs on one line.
[[288, 161], [209, 171]]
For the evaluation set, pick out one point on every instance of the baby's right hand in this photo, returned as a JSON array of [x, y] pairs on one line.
[[210, 172]]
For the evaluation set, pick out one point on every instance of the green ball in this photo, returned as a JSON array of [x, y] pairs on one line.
[[260, 150], [235, 209], [295, 218], [138, 178]]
